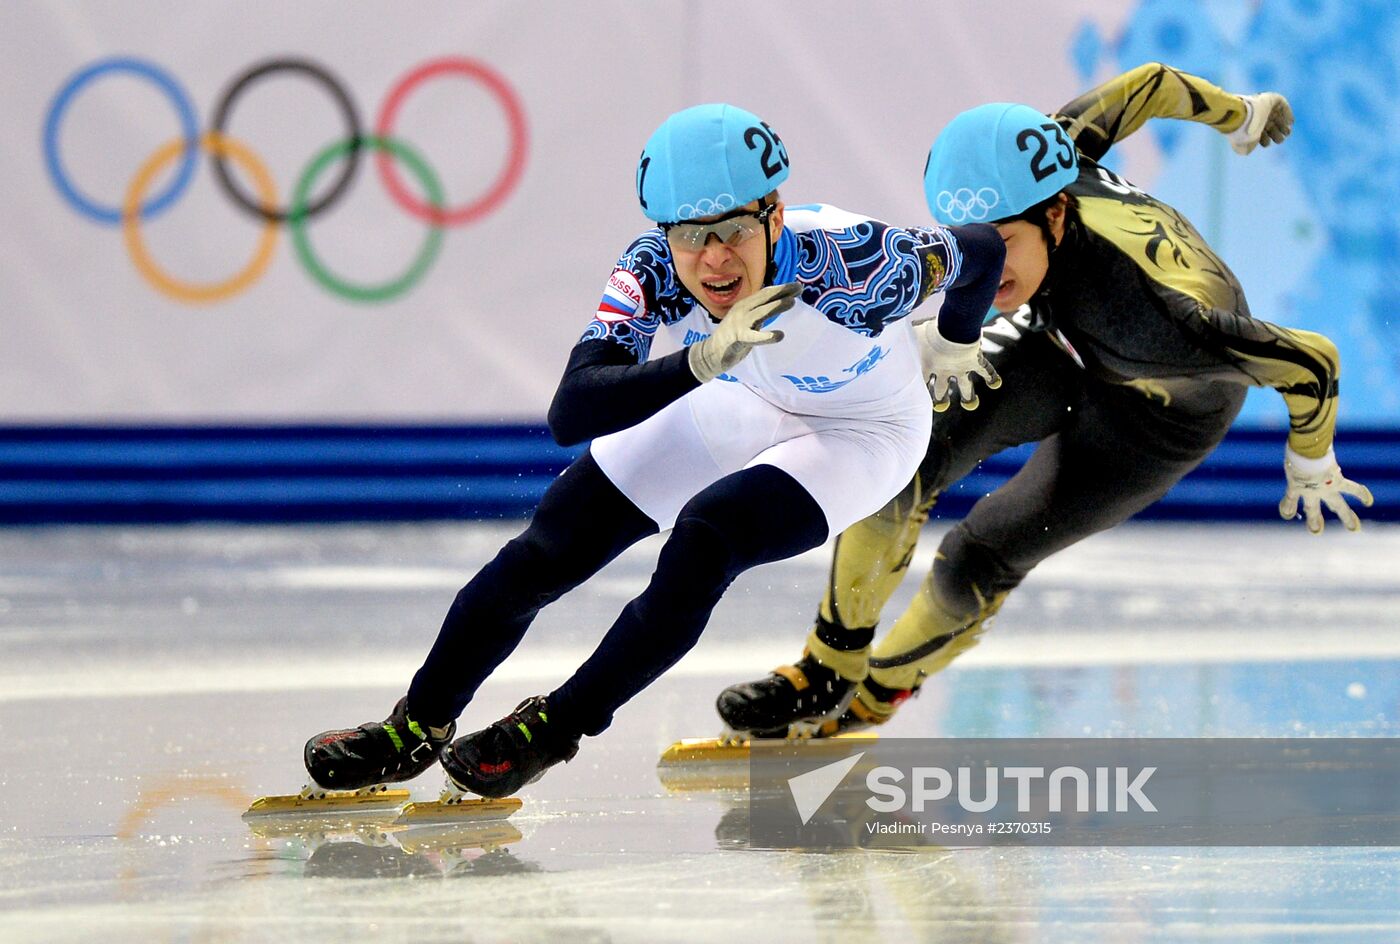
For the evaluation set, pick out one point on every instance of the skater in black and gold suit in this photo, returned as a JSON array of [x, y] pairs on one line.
[[1125, 344]]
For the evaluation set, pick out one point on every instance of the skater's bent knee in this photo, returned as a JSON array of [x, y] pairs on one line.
[[967, 572], [706, 553]]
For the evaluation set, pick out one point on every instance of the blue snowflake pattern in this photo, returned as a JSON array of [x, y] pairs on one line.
[[869, 275], [667, 301]]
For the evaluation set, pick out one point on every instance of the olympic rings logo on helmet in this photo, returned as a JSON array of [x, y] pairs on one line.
[[720, 204], [963, 205], [138, 205]]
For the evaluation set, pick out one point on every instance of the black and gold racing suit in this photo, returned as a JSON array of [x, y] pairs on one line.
[[1127, 367]]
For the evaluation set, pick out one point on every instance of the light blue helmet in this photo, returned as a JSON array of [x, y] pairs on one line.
[[996, 161], [706, 160]]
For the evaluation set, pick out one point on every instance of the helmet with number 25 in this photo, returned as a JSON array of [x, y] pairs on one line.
[[708, 160], [993, 162]]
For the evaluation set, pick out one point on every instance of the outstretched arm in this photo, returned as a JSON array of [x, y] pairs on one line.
[[1105, 115], [1302, 366]]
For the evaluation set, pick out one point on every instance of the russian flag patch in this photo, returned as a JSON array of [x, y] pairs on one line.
[[622, 299]]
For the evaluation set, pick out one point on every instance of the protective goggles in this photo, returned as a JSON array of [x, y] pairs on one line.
[[731, 229]]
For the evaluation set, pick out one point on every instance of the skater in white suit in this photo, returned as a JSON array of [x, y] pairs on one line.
[[797, 406]]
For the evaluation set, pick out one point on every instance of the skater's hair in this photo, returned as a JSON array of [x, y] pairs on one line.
[[1038, 214]]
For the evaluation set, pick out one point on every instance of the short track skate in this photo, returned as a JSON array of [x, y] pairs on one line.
[[382, 804]]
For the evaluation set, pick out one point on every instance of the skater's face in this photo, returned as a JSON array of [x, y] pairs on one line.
[[1027, 258], [722, 263]]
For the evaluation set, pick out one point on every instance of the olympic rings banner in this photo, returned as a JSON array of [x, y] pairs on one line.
[[138, 204], [376, 214]]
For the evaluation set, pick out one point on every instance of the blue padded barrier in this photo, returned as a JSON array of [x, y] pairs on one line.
[[379, 473]]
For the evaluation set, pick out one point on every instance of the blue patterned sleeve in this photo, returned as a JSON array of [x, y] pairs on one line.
[[609, 383], [870, 275], [642, 287]]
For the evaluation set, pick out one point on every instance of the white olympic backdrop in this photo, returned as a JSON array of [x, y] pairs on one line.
[[375, 308]]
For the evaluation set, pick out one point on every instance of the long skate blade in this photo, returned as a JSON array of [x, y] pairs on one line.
[[720, 750], [704, 751], [700, 764], [447, 809], [311, 802]]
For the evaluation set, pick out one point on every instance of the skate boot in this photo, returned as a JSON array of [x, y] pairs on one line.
[[503, 757], [793, 701], [397, 748]]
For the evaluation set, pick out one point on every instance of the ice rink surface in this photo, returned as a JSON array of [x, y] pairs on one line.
[[153, 681]]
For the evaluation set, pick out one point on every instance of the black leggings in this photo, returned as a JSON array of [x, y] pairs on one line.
[[1105, 453], [745, 519]]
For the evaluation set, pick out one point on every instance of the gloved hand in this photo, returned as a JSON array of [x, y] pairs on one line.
[[948, 364], [739, 332], [1268, 119], [1319, 481]]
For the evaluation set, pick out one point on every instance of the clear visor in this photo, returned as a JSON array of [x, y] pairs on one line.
[[731, 230]]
